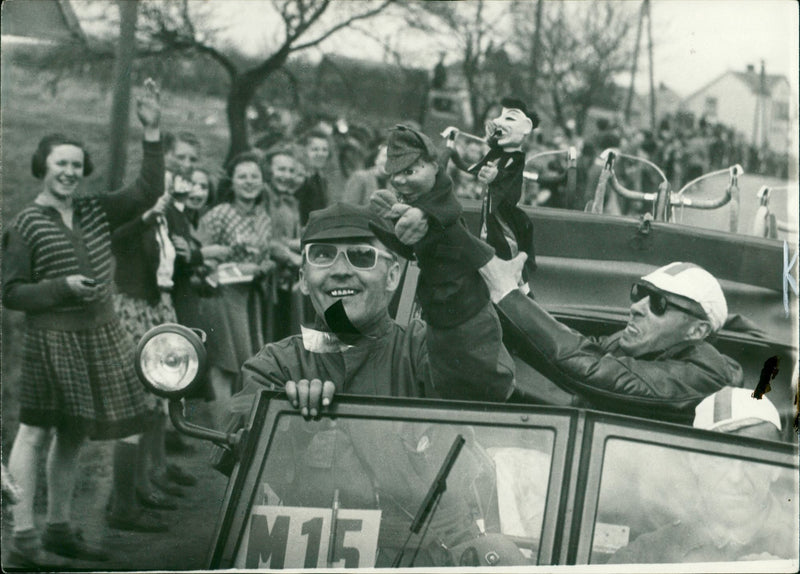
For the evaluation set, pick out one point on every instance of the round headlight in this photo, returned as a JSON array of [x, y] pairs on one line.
[[170, 358]]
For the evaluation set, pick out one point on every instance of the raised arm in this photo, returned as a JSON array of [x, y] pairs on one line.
[[132, 200]]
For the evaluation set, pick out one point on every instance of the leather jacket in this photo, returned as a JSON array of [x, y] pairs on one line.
[[665, 385]]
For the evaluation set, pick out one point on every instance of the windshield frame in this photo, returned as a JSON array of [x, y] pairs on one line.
[[271, 405], [604, 427]]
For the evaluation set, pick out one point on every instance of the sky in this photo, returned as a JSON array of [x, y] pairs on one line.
[[694, 40], [701, 39]]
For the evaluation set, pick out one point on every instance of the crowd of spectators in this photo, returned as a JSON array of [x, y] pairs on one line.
[[682, 148]]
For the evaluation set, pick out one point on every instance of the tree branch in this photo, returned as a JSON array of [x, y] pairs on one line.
[[341, 25]]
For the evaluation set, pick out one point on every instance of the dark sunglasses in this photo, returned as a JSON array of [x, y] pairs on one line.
[[659, 301], [360, 256]]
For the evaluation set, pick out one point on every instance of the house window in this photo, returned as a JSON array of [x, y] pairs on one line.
[[710, 106], [780, 111]]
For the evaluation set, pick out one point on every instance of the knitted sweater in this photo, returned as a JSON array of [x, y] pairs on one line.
[[40, 252]]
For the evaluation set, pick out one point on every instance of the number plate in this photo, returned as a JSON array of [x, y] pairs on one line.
[[296, 537]]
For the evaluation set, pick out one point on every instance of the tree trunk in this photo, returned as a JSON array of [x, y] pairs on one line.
[[120, 106], [243, 88], [557, 109], [474, 104], [238, 100]]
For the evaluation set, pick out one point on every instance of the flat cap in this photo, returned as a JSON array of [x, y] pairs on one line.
[[340, 221], [406, 145]]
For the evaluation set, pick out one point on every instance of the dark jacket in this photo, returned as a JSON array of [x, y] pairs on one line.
[[501, 203], [311, 196], [666, 385], [183, 294], [137, 255]]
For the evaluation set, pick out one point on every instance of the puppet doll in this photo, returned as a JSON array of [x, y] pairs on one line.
[[504, 225]]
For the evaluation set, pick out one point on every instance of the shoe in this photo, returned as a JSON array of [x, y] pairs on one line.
[[160, 480], [142, 522], [174, 443], [155, 499], [69, 542], [179, 476], [35, 559]]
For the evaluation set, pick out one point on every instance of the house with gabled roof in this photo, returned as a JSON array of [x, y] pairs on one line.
[[758, 105]]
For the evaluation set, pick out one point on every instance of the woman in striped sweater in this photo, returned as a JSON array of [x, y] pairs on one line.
[[77, 373]]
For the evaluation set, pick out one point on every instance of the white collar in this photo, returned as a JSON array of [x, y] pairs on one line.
[[315, 341]]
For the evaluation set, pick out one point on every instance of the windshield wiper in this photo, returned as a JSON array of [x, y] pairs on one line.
[[431, 501]]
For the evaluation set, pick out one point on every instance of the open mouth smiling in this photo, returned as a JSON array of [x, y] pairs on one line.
[[342, 292]]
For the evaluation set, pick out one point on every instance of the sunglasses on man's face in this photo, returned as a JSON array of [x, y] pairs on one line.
[[659, 302], [360, 256]]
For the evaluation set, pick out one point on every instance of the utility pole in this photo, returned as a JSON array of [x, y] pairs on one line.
[[644, 12], [763, 97], [759, 139], [650, 54], [634, 65], [536, 51], [120, 106]]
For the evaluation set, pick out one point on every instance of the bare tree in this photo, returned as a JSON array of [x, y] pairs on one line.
[[174, 26], [575, 53], [476, 27]]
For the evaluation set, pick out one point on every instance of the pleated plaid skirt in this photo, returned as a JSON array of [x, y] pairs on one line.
[[82, 381]]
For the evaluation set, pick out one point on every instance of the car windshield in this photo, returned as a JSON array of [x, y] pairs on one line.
[[660, 505], [530, 486], [373, 474]]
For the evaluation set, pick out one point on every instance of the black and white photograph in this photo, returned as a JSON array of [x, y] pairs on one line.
[[464, 285]]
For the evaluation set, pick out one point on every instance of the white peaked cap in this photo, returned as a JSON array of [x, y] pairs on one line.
[[730, 408], [695, 283]]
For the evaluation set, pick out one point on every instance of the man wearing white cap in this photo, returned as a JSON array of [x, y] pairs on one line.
[[659, 366], [735, 411], [744, 509]]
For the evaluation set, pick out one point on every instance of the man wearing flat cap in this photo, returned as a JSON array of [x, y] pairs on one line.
[[355, 347]]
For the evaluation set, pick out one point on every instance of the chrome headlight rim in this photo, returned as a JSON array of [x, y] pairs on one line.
[[194, 337]]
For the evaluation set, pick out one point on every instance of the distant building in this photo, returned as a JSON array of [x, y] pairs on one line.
[[755, 104], [667, 103]]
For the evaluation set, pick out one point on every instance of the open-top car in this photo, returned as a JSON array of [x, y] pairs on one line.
[[379, 481]]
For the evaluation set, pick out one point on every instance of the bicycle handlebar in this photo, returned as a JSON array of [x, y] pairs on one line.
[[663, 200]]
